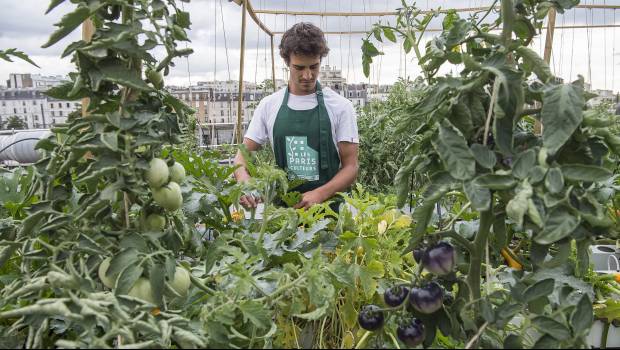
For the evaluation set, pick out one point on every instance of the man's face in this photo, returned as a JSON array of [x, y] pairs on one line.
[[304, 71]]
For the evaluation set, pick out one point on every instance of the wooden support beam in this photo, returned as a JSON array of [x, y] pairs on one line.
[[88, 30], [241, 64], [395, 13], [273, 66], [253, 15], [439, 30]]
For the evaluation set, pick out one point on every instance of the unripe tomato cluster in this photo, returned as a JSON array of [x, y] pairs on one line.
[[164, 182], [423, 297], [142, 287]]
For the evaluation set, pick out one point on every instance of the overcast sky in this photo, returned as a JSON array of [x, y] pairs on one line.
[[217, 43]]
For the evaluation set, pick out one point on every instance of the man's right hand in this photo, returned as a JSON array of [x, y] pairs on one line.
[[250, 200]]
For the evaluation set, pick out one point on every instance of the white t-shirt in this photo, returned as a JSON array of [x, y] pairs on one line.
[[340, 110]]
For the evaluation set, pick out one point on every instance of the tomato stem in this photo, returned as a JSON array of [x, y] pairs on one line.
[[475, 263]]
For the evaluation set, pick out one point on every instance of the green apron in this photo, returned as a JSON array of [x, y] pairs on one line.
[[303, 144]]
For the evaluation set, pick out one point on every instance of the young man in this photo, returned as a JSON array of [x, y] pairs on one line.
[[312, 129]]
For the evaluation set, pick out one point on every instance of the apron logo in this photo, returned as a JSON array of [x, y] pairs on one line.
[[301, 159]]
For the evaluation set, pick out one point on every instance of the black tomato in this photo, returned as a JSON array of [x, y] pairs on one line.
[[370, 317], [395, 296], [412, 333], [439, 259], [427, 299], [417, 255]]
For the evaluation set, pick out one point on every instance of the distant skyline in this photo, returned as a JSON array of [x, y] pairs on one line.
[[25, 27]]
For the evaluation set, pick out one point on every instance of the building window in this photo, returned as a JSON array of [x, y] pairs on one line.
[[221, 113], [34, 102], [36, 117], [15, 110], [61, 113], [51, 105], [222, 120], [25, 110], [59, 105], [68, 105], [23, 103], [53, 114]]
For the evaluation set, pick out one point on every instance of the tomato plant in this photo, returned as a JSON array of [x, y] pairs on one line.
[[106, 204], [539, 194]]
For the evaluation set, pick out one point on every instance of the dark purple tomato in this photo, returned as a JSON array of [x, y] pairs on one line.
[[439, 259], [417, 255], [412, 333], [395, 296], [427, 299], [370, 318]]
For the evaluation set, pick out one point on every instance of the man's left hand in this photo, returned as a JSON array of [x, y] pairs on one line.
[[311, 198]]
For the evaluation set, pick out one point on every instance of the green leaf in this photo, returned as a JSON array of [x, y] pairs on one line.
[[480, 197], [518, 205], [539, 289], [513, 341], [510, 99], [551, 327], [314, 315], [256, 313], [546, 342], [561, 114], [484, 156], [402, 180], [407, 45], [110, 140], [583, 316], [560, 223], [532, 62], [4, 54], [554, 181], [70, 21], [454, 152], [53, 5], [119, 74], [157, 279], [120, 261], [524, 163], [582, 172], [389, 34], [127, 278], [439, 185], [496, 182]]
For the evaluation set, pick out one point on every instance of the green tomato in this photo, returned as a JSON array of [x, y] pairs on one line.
[[177, 173], [169, 197], [181, 281], [157, 174], [155, 222], [155, 78], [142, 290], [103, 268]]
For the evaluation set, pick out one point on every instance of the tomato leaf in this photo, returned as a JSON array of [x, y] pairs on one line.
[[560, 223], [454, 152], [561, 114]]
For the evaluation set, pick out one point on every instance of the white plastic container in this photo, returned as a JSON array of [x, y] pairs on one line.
[[604, 257], [19, 146], [613, 337]]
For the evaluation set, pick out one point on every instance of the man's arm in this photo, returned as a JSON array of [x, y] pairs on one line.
[[343, 179], [241, 173]]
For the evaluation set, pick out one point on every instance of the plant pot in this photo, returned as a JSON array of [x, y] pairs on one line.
[[596, 333], [604, 257]]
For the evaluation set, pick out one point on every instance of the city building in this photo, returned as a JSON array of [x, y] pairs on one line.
[[33, 107], [332, 77], [216, 111], [37, 81]]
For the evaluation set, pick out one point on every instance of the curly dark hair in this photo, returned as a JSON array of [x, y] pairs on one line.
[[303, 39]]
